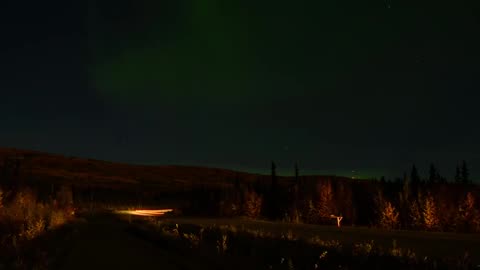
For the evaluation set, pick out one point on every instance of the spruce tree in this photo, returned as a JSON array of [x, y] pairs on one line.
[[295, 193], [458, 175], [414, 180], [406, 188], [433, 174], [296, 173], [273, 202], [274, 176], [383, 180], [404, 202], [237, 182], [465, 173]]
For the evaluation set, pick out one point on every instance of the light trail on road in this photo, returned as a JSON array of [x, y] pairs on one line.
[[145, 212]]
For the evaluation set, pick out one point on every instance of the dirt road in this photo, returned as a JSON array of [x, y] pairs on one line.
[[103, 243]]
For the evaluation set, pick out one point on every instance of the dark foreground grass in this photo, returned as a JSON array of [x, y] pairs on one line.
[[44, 252], [429, 244], [234, 247]]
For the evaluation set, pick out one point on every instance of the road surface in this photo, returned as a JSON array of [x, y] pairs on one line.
[[104, 243]]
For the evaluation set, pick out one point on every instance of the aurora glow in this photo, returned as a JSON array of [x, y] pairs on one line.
[[207, 55], [346, 85]]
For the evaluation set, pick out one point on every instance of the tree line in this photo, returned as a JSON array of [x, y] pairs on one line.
[[430, 203], [433, 202]]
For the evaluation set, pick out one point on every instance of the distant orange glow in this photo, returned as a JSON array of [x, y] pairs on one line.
[[144, 212]]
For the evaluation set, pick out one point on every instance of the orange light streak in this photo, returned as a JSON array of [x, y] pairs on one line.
[[144, 212]]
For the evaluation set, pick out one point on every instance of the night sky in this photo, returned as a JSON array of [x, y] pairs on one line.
[[370, 86]]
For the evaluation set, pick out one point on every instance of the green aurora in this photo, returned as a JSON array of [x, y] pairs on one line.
[[219, 52], [208, 55]]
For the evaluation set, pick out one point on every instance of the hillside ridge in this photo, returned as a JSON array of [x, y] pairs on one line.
[[46, 168]]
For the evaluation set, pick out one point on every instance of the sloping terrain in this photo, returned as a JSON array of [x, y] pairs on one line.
[[51, 168]]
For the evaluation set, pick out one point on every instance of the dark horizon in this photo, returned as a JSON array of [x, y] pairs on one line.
[[282, 169]]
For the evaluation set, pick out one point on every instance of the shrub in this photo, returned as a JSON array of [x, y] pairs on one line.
[[430, 215], [329, 244], [25, 218], [34, 228], [289, 236], [193, 239], [416, 215], [296, 218], [468, 215], [222, 244], [253, 204], [65, 197], [364, 248], [57, 219], [311, 213], [389, 216]]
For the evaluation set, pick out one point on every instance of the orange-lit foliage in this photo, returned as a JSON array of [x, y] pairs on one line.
[[430, 214], [415, 215], [325, 205], [310, 212], [389, 217], [218, 192], [253, 204], [468, 215], [24, 217]]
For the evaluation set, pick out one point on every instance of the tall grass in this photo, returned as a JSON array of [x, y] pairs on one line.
[[230, 247]]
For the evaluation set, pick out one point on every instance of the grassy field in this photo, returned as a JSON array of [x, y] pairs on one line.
[[430, 244]]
